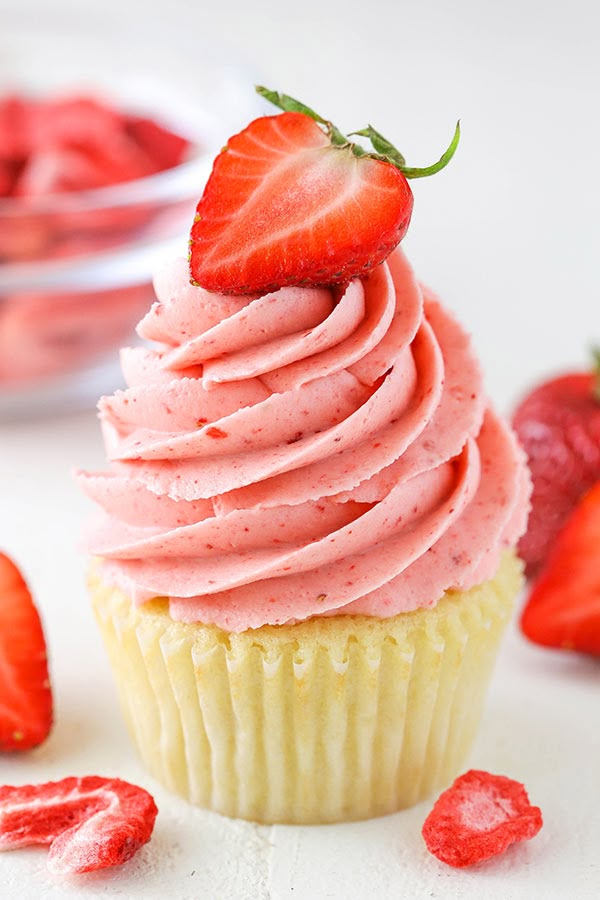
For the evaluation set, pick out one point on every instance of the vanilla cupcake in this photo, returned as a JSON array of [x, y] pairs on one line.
[[304, 559]]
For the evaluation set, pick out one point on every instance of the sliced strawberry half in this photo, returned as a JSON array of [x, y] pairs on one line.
[[563, 609], [291, 200], [25, 695]]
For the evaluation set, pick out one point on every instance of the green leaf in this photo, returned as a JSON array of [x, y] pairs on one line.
[[381, 145], [384, 149], [290, 104], [596, 357]]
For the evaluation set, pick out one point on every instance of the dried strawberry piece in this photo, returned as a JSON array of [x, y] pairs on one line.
[[78, 143], [16, 116], [74, 122], [90, 145], [90, 823], [56, 171], [7, 177], [164, 147], [478, 817], [61, 169]]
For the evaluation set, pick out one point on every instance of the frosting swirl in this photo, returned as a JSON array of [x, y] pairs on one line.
[[308, 452]]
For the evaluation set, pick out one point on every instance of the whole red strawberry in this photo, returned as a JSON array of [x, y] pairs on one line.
[[558, 425], [291, 200], [25, 696], [563, 609]]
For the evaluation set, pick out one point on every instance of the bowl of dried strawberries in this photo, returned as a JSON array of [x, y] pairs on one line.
[[105, 145]]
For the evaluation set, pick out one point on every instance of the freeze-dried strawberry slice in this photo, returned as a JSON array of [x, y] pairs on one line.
[[57, 170], [165, 148], [7, 178], [90, 823], [76, 121], [478, 817], [16, 115], [78, 143], [61, 169]]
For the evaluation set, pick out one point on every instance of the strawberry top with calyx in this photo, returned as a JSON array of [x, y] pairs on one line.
[[293, 201]]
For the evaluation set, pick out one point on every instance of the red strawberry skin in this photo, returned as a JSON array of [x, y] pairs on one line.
[[283, 206], [563, 609], [558, 425], [25, 695]]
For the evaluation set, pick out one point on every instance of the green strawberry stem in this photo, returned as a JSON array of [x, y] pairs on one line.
[[384, 150], [596, 356]]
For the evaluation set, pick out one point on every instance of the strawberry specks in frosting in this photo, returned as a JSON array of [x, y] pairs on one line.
[[270, 446], [213, 432]]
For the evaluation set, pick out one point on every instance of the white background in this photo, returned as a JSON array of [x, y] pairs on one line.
[[509, 236]]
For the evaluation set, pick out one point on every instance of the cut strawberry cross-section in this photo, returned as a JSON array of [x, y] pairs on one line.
[[90, 823], [25, 695], [563, 609], [478, 817], [291, 200]]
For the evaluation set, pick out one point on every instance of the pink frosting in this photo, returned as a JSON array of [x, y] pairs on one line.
[[304, 453]]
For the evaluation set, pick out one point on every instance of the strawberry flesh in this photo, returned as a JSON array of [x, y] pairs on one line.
[[90, 823], [478, 817], [25, 695], [558, 425], [285, 206], [563, 609]]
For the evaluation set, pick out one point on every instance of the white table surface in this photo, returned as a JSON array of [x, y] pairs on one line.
[[509, 236]]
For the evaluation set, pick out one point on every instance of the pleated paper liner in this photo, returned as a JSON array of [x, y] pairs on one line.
[[328, 720]]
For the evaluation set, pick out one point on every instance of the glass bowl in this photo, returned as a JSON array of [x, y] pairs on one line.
[[76, 268]]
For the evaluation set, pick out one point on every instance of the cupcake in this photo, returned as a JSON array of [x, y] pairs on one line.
[[304, 554]]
